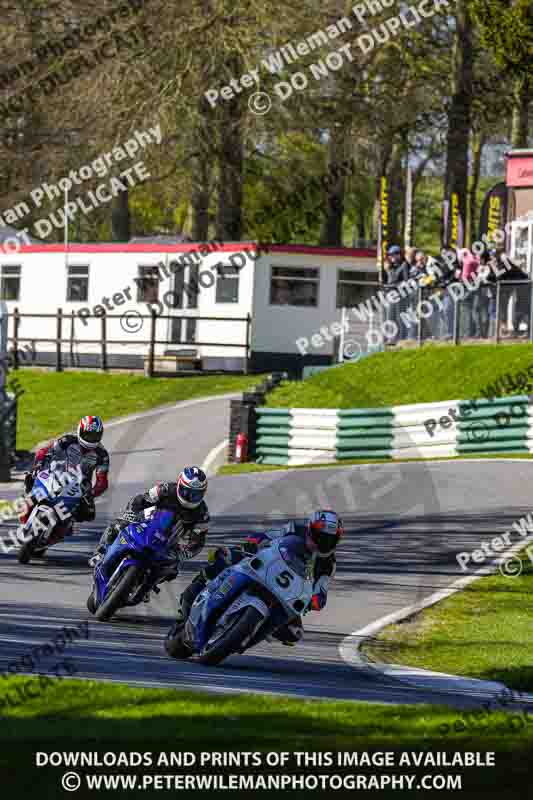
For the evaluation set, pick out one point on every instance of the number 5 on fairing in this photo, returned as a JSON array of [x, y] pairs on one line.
[[284, 579]]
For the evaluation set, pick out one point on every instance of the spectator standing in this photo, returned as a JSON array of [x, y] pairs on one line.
[[470, 267], [396, 273], [417, 272], [510, 275]]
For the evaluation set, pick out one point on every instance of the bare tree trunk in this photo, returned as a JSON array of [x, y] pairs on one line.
[[460, 111], [202, 176], [230, 177], [331, 234], [396, 192], [120, 218], [478, 141], [521, 103], [230, 164]]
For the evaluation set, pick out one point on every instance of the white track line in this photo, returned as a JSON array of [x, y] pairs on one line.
[[210, 466], [349, 648]]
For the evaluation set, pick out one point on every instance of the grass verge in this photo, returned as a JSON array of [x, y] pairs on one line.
[[88, 716], [238, 469], [53, 403], [428, 375], [89, 710], [483, 631]]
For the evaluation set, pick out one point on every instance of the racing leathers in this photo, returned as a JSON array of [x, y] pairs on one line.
[[188, 529], [91, 462], [223, 557]]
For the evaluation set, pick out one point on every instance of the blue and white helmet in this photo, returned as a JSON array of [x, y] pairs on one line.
[[192, 486]]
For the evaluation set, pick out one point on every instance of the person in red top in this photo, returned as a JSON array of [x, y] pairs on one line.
[[469, 276], [83, 449], [470, 266]]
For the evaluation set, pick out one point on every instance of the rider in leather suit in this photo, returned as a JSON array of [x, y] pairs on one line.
[[85, 451], [191, 516], [320, 533]]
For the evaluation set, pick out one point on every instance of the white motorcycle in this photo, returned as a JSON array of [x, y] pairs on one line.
[[56, 493], [246, 603]]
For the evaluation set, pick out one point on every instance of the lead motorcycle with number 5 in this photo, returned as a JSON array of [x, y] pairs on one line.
[[246, 603]]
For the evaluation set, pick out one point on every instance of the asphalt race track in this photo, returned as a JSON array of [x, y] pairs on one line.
[[405, 523]]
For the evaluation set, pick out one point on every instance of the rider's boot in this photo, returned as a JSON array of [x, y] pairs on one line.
[[190, 594], [58, 534], [289, 634], [107, 538]]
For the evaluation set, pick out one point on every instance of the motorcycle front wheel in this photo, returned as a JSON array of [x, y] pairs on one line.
[[174, 644], [119, 594], [230, 640]]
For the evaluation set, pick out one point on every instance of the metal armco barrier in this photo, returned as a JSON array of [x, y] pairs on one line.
[[297, 436]]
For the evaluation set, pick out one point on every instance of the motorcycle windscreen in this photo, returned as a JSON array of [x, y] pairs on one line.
[[137, 538]]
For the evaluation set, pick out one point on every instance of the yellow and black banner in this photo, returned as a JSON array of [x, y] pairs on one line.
[[383, 221], [493, 215], [453, 223]]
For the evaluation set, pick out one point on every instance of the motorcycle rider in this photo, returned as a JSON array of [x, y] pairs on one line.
[[319, 534], [185, 498], [83, 450]]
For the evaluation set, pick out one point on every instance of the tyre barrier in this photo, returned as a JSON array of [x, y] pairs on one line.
[[299, 436]]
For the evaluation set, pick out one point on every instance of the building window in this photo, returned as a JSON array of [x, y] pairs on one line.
[[176, 329], [351, 288], [148, 285], [190, 331], [294, 286], [192, 294], [10, 284], [77, 284], [227, 284]]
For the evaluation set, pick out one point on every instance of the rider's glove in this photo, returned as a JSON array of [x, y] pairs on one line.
[[28, 482]]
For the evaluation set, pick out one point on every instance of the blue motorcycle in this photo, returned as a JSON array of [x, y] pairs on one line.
[[55, 495], [133, 565]]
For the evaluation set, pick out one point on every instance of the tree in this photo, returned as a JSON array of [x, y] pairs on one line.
[[506, 29], [460, 110]]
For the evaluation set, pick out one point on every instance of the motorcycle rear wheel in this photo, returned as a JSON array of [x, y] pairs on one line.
[[119, 594], [25, 552], [231, 641]]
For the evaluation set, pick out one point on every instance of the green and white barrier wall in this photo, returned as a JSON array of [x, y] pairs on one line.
[[294, 436]]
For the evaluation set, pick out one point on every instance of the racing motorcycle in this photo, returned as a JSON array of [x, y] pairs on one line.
[[56, 494], [244, 605], [134, 564]]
